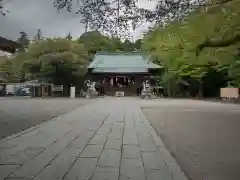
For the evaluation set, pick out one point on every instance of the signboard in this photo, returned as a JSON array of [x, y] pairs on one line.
[[10, 89], [57, 88], [119, 93], [229, 92]]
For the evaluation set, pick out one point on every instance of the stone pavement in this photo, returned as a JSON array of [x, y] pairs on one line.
[[108, 140]]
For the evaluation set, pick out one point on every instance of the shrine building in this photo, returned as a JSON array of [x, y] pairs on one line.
[[122, 72]]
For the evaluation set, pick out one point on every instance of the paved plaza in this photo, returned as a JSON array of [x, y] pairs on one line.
[[109, 139], [18, 114]]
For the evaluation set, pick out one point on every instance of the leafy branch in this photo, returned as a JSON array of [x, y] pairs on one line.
[[120, 15], [218, 43]]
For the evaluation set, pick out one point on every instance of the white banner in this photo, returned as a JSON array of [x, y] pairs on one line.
[[229, 92], [57, 88], [72, 92]]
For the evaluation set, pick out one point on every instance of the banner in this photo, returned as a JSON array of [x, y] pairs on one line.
[[229, 92]]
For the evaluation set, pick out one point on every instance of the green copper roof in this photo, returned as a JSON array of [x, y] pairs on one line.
[[121, 62]]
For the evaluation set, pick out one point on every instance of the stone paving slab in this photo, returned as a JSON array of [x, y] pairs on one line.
[[24, 156], [132, 169], [92, 151], [131, 152], [157, 174], [153, 160], [116, 142], [110, 158], [105, 174], [82, 169], [6, 170]]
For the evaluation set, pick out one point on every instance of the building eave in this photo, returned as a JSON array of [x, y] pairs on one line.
[[7, 45]]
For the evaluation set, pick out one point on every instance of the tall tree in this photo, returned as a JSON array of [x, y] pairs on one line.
[[189, 51], [23, 40], [94, 42], [58, 60], [38, 37], [69, 36], [12, 68], [128, 46], [138, 44], [117, 43]]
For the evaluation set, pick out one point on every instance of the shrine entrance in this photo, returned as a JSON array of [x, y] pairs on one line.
[[120, 72], [131, 85], [119, 83]]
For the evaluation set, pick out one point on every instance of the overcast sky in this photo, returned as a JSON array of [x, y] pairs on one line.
[[29, 15]]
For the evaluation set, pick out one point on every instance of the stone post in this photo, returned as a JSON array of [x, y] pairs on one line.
[[72, 92]]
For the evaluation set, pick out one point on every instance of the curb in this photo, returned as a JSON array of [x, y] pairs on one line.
[[171, 164]]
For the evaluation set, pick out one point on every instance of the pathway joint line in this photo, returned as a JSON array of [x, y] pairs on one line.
[[134, 121], [120, 164], [84, 148], [102, 148]]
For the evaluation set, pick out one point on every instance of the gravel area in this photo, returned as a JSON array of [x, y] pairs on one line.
[[202, 136], [18, 114]]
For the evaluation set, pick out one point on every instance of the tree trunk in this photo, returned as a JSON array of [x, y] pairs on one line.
[[169, 88], [168, 84], [200, 90]]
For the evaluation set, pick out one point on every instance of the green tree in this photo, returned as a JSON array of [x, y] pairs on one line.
[[125, 14], [94, 42], [3, 68], [38, 37], [189, 51], [14, 68], [117, 43], [128, 46], [58, 60], [23, 40], [138, 44], [69, 36], [234, 72]]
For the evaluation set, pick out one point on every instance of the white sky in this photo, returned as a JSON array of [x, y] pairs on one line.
[[29, 15]]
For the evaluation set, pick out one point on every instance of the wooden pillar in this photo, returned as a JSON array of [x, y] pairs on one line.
[[42, 90], [137, 84], [33, 93]]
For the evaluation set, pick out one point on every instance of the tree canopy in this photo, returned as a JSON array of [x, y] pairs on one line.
[[119, 15], [57, 60], [23, 41], [94, 42], [190, 38], [187, 50]]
